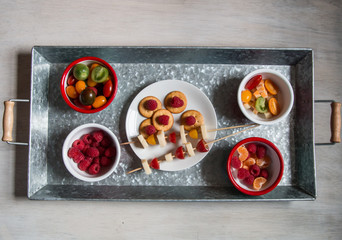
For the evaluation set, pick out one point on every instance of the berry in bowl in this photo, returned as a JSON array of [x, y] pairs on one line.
[[91, 152], [255, 166], [89, 85], [265, 96]]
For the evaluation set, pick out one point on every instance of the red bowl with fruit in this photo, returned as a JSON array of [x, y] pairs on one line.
[[255, 166], [91, 152], [89, 85]]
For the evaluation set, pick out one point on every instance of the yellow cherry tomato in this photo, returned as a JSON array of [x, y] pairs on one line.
[[99, 101], [71, 92], [271, 87], [91, 83], [246, 96], [151, 140], [80, 86], [273, 106], [193, 134]]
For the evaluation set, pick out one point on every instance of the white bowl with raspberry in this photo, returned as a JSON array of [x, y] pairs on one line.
[[255, 166], [91, 152]]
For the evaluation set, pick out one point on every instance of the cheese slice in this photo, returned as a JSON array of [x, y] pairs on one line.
[[168, 157], [161, 138], [190, 149], [182, 134], [146, 166], [204, 132], [142, 141]]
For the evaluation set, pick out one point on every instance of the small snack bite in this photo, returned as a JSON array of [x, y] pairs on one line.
[[192, 119], [162, 120], [175, 102], [146, 128], [149, 105]]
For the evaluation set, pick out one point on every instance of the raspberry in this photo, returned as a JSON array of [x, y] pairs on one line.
[[151, 104], [85, 148], [236, 163], [242, 173], [104, 161], [94, 169], [98, 135], [155, 164], [87, 139], [251, 148], [163, 120], [150, 129], [249, 180], [93, 152], [173, 137], [101, 150], [78, 144], [110, 152], [105, 141], [254, 170], [191, 120], [75, 154], [95, 144], [264, 173], [84, 164], [176, 102], [96, 160], [261, 152]]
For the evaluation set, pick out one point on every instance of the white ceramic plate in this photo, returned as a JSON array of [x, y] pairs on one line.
[[196, 99]]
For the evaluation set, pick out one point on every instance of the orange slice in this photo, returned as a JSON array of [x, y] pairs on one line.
[[243, 153], [263, 162], [271, 87], [249, 162], [151, 140], [258, 182], [193, 133]]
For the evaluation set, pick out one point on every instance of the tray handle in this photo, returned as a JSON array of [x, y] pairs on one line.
[[335, 121], [8, 121]]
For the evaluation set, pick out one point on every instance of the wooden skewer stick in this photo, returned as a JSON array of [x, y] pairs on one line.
[[256, 125], [232, 127], [212, 130]]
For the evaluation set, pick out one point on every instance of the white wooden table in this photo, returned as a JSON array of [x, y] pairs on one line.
[[310, 24]]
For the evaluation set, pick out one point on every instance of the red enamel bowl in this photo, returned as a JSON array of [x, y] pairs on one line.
[[275, 168], [88, 61]]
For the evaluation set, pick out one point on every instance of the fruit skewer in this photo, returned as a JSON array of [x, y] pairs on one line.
[[202, 146], [160, 135]]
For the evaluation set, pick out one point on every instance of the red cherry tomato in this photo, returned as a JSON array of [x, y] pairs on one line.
[[108, 88], [80, 105], [71, 80], [253, 82]]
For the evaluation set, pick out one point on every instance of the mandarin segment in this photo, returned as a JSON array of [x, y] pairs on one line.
[[258, 182], [243, 153]]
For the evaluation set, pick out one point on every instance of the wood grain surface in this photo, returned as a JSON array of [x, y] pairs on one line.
[[282, 24]]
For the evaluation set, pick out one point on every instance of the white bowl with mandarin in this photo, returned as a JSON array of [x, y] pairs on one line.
[[265, 96]]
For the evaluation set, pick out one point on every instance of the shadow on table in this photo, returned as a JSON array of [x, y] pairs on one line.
[[22, 121]]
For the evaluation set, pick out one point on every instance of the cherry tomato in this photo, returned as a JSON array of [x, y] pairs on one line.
[[99, 101], [91, 83], [87, 97], [81, 71], [80, 105], [271, 87], [253, 82], [273, 106], [71, 80], [80, 86], [108, 88], [246, 96], [99, 74], [71, 92]]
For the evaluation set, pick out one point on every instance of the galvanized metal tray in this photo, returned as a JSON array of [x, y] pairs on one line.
[[217, 71]]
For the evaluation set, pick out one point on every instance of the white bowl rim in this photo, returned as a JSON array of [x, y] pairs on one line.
[[242, 87], [67, 161]]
